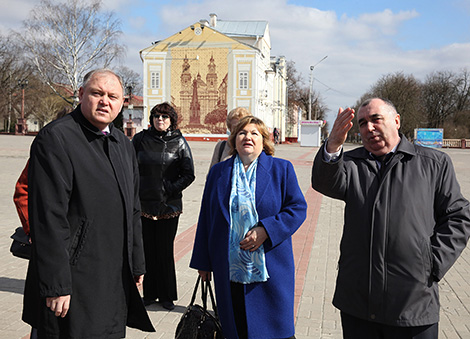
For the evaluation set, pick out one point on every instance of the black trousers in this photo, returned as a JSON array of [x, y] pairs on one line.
[[239, 311], [160, 279], [355, 328]]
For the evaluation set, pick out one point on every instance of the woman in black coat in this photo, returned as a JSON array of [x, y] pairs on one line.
[[166, 169]]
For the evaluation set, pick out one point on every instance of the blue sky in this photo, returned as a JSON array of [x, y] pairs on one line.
[[436, 22], [363, 40]]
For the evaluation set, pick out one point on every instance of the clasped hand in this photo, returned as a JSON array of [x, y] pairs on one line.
[[254, 238]]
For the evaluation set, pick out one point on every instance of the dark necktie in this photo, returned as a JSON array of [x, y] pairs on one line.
[[384, 160]]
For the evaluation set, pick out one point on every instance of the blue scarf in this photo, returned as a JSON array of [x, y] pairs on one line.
[[245, 267]]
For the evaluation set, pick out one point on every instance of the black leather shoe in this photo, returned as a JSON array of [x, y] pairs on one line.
[[168, 305]]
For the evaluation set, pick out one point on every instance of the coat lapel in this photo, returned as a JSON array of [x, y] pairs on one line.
[[224, 187], [263, 176]]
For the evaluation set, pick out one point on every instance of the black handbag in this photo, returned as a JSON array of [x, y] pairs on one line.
[[20, 247], [197, 322]]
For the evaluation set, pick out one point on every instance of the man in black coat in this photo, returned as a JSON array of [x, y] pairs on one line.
[[405, 224], [84, 214]]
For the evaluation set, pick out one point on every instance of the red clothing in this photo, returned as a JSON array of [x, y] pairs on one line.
[[20, 198]]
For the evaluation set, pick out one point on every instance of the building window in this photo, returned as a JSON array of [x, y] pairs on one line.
[[154, 80], [243, 80]]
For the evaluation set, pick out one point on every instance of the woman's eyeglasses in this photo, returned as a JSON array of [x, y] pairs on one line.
[[164, 116]]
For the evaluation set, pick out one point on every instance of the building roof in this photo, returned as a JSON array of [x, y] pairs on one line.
[[137, 100], [241, 28]]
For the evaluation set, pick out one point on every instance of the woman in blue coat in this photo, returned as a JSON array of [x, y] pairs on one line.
[[252, 204]]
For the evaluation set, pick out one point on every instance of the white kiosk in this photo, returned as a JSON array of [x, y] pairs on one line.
[[310, 132]]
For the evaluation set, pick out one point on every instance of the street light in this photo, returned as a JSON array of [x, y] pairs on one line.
[[21, 126], [310, 89], [130, 129], [130, 86]]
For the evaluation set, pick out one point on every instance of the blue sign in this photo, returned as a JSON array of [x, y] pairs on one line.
[[429, 137]]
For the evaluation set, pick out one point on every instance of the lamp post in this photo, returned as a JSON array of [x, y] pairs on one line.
[[130, 129], [310, 89], [21, 127], [130, 86]]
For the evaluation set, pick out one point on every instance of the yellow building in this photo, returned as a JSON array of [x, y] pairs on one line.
[[209, 68]]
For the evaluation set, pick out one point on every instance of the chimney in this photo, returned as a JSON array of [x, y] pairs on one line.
[[213, 19]]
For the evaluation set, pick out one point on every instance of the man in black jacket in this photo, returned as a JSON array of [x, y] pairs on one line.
[[84, 214], [406, 223]]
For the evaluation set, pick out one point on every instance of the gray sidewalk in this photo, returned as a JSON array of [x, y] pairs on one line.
[[315, 317]]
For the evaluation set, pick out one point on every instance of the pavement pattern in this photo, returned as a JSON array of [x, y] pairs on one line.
[[316, 251]]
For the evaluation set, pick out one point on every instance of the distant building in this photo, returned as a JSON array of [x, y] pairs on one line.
[[134, 110], [209, 68]]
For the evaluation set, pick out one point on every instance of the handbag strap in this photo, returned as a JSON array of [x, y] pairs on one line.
[[214, 307], [206, 288], [193, 298], [204, 295]]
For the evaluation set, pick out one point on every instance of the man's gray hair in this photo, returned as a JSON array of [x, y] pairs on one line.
[[388, 103], [89, 75]]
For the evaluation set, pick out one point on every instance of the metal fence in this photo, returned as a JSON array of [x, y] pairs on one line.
[[456, 143], [446, 143]]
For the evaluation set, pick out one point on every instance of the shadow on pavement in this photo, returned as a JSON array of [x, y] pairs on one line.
[[12, 285]]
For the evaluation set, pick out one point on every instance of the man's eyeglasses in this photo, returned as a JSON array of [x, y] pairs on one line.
[[164, 116]]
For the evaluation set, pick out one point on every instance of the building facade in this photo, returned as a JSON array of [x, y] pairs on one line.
[[133, 111], [209, 68]]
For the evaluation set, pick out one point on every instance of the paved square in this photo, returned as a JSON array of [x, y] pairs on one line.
[[316, 247]]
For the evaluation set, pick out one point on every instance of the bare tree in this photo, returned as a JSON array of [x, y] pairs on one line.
[[463, 91], [12, 69], [442, 101], [405, 93], [460, 127], [457, 120], [130, 78], [66, 40], [48, 106], [298, 98], [7, 68], [298, 93], [440, 96]]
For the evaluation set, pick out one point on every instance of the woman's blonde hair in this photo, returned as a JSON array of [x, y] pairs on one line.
[[268, 146], [236, 113]]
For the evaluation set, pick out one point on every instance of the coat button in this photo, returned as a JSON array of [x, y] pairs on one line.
[[372, 316]]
